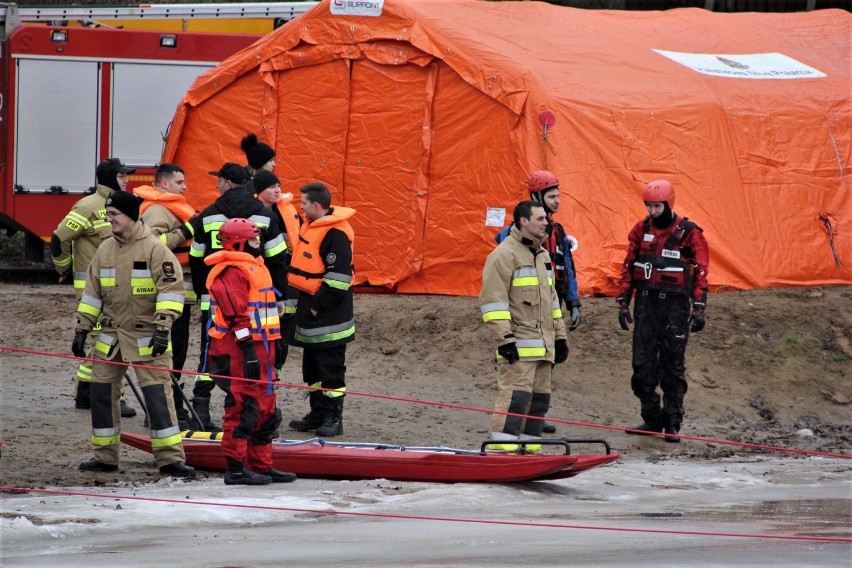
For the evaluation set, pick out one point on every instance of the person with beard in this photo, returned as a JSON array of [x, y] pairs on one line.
[[242, 344], [234, 202], [666, 264], [73, 245]]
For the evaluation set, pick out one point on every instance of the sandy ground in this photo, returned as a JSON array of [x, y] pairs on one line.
[[772, 367]]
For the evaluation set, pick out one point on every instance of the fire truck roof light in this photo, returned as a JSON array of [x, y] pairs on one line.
[[59, 36], [168, 41]]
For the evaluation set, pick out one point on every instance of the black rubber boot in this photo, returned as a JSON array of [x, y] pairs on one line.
[[332, 420], [238, 475], [127, 411], [644, 429], [95, 465], [280, 476], [671, 435], [548, 428], [178, 469], [81, 398], [312, 419], [201, 404]]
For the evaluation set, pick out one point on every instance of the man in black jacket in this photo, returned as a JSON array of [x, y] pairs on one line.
[[234, 201]]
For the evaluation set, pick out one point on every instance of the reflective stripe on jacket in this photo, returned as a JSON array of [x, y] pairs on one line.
[[308, 267], [518, 300], [262, 308], [132, 289]]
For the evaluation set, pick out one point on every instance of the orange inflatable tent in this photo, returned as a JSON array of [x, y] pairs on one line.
[[427, 117]]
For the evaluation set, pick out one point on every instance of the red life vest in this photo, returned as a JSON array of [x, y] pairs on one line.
[[262, 308], [664, 264], [307, 267]]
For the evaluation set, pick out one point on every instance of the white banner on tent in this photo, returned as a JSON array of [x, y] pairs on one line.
[[744, 66], [357, 7]]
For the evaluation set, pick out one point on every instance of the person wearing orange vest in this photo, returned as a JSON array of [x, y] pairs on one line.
[[321, 271], [245, 327], [666, 264], [166, 214]]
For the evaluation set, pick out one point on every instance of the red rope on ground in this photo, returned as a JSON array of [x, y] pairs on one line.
[[433, 518], [453, 406]]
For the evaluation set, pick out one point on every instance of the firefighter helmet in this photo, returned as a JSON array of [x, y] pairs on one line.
[[658, 191], [235, 233], [541, 181]]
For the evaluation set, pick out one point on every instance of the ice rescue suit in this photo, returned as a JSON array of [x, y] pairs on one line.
[[133, 288], [667, 267], [321, 271], [74, 244], [242, 298], [235, 203], [519, 304]]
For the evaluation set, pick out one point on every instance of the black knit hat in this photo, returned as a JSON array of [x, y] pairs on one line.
[[125, 202], [257, 153], [264, 179]]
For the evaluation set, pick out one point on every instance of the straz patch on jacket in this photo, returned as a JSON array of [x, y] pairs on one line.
[[671, 253]]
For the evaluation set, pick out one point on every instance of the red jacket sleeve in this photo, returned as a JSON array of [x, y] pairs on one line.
[[634, 239]]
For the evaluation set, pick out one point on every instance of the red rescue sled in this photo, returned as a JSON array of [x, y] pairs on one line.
[[321, 458]]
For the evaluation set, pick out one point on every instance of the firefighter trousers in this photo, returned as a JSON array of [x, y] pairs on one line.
[[524, 388]]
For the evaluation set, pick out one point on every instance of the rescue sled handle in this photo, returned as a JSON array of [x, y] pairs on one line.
[[287, 10], [565, 442]]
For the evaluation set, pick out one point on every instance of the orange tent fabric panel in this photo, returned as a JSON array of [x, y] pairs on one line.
[[424, 118]]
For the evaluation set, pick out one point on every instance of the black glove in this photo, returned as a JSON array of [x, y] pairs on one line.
[[509, 352], [159, 342], [561, 351], [78, 346], [251, 365], [697, 317], [624, 316], [575, 319], [281, 350]]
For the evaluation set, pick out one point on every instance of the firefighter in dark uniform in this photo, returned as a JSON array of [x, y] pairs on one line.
[[234, 202], [321, 271], [666, 265]]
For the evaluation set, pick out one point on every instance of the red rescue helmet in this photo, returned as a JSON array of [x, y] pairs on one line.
[[541, 181], [659, 191], [235, 233]]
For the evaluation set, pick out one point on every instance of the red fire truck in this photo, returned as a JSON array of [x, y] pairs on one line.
[[74, 91]]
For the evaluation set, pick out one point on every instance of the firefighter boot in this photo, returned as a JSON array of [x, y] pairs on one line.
[[81, 398], [238, 475], [332, 420], [312, 419], [201, 404]]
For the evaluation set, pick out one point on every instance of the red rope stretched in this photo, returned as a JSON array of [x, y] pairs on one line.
[[453, 406], [431, 517]]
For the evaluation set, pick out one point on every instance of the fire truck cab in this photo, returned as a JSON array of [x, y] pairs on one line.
[[74, 95]]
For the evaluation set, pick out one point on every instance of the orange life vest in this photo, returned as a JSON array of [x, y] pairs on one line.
[[262, 308], [174, 202], [307, 267], [291, 220]]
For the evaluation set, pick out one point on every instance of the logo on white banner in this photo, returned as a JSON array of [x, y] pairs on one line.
[[744, 66], [357, 7]]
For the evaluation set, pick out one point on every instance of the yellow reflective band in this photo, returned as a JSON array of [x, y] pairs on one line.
[[84, 372], [497, 316], [532, 351], [200, 378], [105, 440], [557, 313], [526, 281], [335, 392], [167, 441]]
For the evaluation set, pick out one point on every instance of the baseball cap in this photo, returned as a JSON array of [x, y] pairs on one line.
[[232, 172]]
